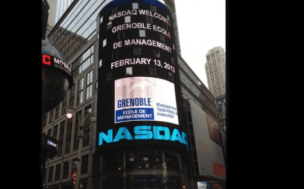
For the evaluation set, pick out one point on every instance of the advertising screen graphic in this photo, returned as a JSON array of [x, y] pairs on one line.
[[143, 98]]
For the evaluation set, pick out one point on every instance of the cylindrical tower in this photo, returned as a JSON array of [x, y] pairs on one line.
[[141, 133]]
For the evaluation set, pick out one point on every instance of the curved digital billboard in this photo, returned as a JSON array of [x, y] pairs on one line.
[[139, 97]]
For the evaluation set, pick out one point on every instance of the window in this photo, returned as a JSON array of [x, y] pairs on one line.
[[50, 174], [84, 164], [80, 91], [57, 112], [129, 71], [104, 43], [100, 62], [153, 8], [55, 131], [49, 132], [121, 34], [109, 25], [108, 76], [157, 53], [101, 20], [63, 105], [72, 93], [152, 71], [142, 33], [60, 139], [57, 173], [89, 84], [86, 131], [149, 19], [162, 38], [134, 5], [136, 50], [170, 76], [65, 169], [88, 110], [76, 140], [51, 117], [68, 137], [127, 19]]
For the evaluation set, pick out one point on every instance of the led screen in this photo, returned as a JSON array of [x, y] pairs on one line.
[[202, 185], [143, 98]]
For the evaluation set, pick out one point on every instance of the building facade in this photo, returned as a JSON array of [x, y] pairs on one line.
[[84, 34], [216, 71]]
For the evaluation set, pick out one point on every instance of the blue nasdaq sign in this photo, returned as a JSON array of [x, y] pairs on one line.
[[143, 132]]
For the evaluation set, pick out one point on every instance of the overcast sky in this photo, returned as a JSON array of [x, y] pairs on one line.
[[201, 26]]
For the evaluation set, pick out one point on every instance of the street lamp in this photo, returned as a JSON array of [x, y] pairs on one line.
[[69, 115]]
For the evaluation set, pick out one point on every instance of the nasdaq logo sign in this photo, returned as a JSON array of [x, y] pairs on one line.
[[143, 132]]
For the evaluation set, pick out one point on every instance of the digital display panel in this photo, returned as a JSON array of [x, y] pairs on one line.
[[142, 98], [139, 94]]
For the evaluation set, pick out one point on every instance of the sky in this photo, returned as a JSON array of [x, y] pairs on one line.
[[201, 27]]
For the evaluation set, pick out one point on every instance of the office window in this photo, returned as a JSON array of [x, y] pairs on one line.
[[170, 76], [100, 62], [104, 43], [57, 112], [60, 139], [50, 174], [57, 173], [76, 140], [153, 8], [49, 132], [68, 137], [157, 53], [55, 131], [84, 164], [51, 117], [89, 84], [121, 34], [129, 71], [134, 5], [80, 91], [63, 105], [162, 38], [142, 33], [108, 76], [149, 19], [65, 169], [152, 71], [127, 19], [72, 94], [87, 110], [137, 50], [109, 25]]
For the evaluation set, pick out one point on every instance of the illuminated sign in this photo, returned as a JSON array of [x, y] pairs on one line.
[[142, 98], [48, 60], [51, 143], [143, 132]]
